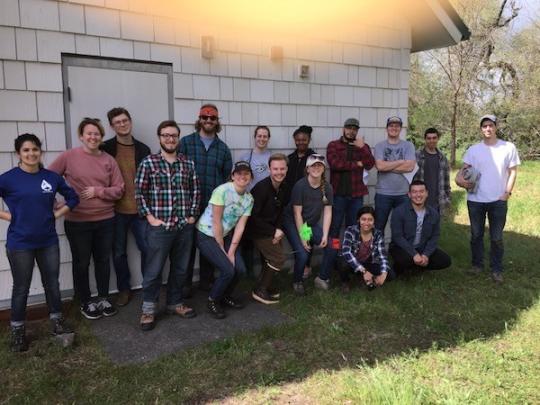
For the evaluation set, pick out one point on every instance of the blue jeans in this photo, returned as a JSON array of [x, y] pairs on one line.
[[342, 208], [123, 223], [22, 266], [90, 239], [496, 214], [163, 243], [301, 255], [384, 204], [228, 274]]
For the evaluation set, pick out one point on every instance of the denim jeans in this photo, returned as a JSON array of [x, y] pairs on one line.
[[22, 267], [496, 215], [90, 239], [342, 208], [123, 223], [384, 204], [301, 255], [228, 274], [163, 243]]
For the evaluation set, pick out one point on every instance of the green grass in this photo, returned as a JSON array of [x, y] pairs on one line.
[[441, 337]]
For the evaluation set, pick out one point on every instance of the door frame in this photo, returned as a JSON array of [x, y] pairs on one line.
[[101, 62]]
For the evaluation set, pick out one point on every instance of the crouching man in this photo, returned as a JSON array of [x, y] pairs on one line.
[[415, 233], [264, 226]]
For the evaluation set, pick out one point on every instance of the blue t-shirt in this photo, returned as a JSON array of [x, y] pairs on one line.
[[30, 198]]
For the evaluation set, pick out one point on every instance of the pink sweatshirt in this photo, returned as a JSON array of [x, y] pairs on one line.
[[81, 170]]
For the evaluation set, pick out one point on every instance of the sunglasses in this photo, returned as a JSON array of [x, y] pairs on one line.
[[208, 117]]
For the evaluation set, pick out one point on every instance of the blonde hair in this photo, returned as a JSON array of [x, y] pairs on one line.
[[322, 187]]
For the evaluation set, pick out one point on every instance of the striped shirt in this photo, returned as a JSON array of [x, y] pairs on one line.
[[170, 192], [213, 166]]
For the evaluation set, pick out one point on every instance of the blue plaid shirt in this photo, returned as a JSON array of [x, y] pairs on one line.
[[169, 192], [351, 244], [213, 166]]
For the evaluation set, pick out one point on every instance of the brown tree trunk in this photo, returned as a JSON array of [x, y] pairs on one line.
[[453, 130]]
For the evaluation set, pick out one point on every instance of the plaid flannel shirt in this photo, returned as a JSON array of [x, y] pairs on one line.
[[444, 176], [351, 244], [213, 166], [170, 192], [336, 153]]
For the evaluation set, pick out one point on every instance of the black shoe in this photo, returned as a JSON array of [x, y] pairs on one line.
[[274, 293], [90, 311], [18, 339], [59, 326], [263, 297], [106, 307], [215, 309], [231, 303]]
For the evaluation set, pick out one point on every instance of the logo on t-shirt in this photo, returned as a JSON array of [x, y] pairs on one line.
[[46, 187], [393, 154]]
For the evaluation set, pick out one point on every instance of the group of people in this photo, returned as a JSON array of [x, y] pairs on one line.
[[191, 196]]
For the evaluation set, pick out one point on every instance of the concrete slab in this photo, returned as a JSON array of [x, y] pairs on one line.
[[125, 342]]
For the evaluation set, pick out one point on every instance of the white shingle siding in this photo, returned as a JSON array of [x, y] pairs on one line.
[[366, 76]]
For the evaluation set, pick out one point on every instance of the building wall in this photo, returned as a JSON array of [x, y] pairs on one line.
[[365, 76]]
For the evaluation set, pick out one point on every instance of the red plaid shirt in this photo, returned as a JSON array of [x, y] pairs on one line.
[[336, 154]]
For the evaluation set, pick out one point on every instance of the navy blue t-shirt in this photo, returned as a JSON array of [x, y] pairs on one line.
[[30, 198]]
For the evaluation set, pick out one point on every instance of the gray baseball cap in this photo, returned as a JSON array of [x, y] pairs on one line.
[[351, 122], [490, 117]]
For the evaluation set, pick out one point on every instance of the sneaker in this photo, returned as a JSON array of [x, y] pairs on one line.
[[106, 307], [475, 270], [298, 288], [215, 309], [231, 303], [497, 277], [182, 311], [148, 321], [321, 284], [264, 297], [18, 339], [59, 326], [90, 311], [123, 298], [274, 293]]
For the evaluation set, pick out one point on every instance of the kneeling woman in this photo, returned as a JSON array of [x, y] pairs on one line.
[[363, 251], [29, 191], [229, 207], [311, 196]]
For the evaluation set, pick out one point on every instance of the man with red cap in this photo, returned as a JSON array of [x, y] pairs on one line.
[[213, 164]]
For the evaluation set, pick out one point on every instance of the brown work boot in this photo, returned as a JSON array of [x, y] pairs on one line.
[[148, 321], [182, 311], [123, 298]]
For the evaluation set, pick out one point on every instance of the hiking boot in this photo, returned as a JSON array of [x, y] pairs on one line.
[[59, 326], [18, 339], [183, 311], [475, 270], [123, 298], [231, 303], [497, 277], [298, 288], [215, 309], [91, 311], [106, 307], [263, 297], [321, 284], [148, 321]]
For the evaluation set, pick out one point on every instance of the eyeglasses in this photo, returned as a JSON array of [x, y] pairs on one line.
[[208, 117], [169, 136]]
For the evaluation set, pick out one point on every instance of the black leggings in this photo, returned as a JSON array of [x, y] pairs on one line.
[[438, 260]]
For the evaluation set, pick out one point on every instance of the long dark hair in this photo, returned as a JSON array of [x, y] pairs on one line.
[[21, 139]]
